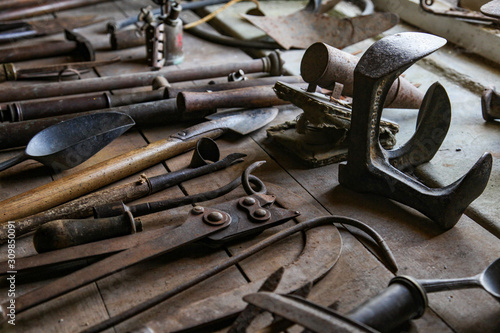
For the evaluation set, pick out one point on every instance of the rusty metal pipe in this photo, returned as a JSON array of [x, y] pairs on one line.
[[270, 64], [323, 65], [251, 97], [187, 106], [173, 90], [45, 8], [28, 110], [22, 111], [48, 49]]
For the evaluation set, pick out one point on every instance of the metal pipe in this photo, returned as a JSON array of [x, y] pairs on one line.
[[251, 97], [47, 49], [271, 64], [28, 110], [45, 8]]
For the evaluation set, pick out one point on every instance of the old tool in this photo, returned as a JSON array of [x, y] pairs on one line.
[[70, 143], [96, 176], [370, 168], [45, 8], [323, 65], [225, 222], [404, 299], [320, 135], [270, 64], [489, 280], [322, 247], [490, 104], [189, 106], [75, 44], [117, 219], [457, 12], [314, 223], [309, 25], [243, 320], [35, 109], [11, 72], [259, 96], [83, 207], [10, 31], [163, 35]]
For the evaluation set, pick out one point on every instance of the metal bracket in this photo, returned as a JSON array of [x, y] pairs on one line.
[[371, 168]]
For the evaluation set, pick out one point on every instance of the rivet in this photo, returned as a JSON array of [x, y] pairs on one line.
[[197, 210], [214, 217], [261, 212], [248, 201]]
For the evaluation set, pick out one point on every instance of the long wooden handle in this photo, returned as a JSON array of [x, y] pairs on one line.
[[94, 177]]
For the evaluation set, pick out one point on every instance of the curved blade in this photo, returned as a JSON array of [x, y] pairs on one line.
[[303, 28], [242, 122]]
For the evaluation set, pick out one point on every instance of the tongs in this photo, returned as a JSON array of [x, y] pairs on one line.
[[213, 225]]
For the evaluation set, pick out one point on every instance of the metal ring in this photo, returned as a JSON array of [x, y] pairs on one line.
[[247, 178]]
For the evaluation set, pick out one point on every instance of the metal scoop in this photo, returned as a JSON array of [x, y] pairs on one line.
[[69, 143], [489, 280]]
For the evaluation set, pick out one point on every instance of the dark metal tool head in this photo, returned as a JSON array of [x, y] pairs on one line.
[[371, 168], [69, 143]]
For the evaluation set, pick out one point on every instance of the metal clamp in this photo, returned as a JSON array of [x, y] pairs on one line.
[[371, 168]]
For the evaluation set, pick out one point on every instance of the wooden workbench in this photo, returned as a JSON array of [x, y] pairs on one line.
[[420, 248]]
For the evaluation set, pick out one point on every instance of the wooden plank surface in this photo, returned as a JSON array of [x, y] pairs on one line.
[[420, 249]]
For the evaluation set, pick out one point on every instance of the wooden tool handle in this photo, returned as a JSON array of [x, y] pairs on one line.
[[94, 177]]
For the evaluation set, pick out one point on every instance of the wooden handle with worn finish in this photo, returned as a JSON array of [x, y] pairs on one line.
[[94, 177]]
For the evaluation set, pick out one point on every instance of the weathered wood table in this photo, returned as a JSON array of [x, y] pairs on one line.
[[421, 249]]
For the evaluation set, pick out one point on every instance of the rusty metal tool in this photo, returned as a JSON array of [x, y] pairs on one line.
[[370, 168], [106, 172], [404, 299], [44, 8], [35, 109], [322, 248], [70, 143], [75, 44], [117, 219], [271, 63], [251, 311], [83, 207], [323, 65], [216, 225], [307, 225], [106, 247], [11, 31], [259, 96], [489, 280], [490, 104], [11, 72], [309, 25], [458, 12]]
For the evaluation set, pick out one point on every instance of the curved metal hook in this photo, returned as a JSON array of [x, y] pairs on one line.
[[246, 179]]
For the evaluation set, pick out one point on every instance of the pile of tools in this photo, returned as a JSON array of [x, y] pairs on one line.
[[85, 217]]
